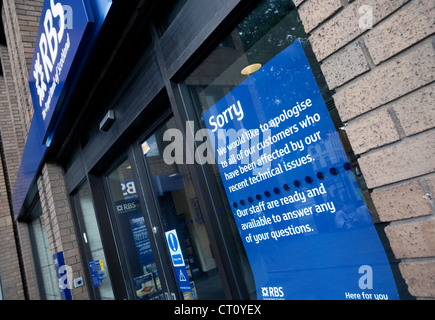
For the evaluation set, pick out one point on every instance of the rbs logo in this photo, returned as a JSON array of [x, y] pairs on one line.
[[48, 48], [51, 38], [272, 292], [56, 49], [128, 188]]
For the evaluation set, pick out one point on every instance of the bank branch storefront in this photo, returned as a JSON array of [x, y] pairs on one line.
[[202, 158]]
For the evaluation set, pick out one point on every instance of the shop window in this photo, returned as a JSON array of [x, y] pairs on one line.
[[267, 30], [44, 264], [135, 248], [95, 257], [180, 214]]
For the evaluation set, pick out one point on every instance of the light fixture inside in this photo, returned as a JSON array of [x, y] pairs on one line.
[[248, 70]]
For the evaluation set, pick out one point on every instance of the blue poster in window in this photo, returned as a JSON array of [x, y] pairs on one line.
[[301, 216], [141, 239]]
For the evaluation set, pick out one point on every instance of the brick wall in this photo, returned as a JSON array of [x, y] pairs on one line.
[[21, 22], [59, 225], [12, 137], [18, 18], [10, 276], [383, 81], [11, 123]]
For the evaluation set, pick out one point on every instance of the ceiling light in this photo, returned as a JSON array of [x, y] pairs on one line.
[[248, 70]]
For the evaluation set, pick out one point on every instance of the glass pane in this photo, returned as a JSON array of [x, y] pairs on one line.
[[264, 33], [140, 272], [101, 282], [179, 210], [44, 260]]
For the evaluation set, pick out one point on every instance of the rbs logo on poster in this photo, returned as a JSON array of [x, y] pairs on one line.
[[272, 292]]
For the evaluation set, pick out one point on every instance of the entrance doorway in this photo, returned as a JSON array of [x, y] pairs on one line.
[[132, 237], [161, 240], [179, 213]]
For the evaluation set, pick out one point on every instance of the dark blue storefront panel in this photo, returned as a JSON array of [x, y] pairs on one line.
[[301, 216]]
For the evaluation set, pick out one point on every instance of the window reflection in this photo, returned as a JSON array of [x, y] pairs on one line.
[[179, 210], [271, 27], [135, 247], [101, 282]]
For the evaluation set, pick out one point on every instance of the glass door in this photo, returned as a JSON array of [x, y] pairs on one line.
[[188, 245], [98, 270], [134, 240]]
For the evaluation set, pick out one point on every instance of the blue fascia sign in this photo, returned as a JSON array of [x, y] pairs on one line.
[[62, 27], [66, 33], [299, 211]]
